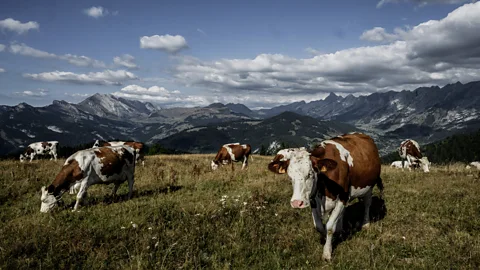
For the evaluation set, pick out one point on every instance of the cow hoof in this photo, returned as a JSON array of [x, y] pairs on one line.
[[327, 257], [366, 226]]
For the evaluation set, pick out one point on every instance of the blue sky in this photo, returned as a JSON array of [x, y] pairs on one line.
[[260, 53]]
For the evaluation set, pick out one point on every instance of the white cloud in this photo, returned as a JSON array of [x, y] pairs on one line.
[[25, 50], [17, 26], [2, 70], [431, 53], [82, 61], [167, 43], [422, 3], [161, 95], [106, 77], [36, 93], [77, 95], [125, 60], [2, 47], [378, 34], [313, 51], [96, 12]]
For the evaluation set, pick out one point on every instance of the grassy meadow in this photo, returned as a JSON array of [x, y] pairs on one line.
[[184, 216]]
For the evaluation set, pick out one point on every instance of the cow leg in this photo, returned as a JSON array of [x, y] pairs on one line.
[[336, 215], [245, 162], [82, 193], [367, 200], [317, 218], [54, 156], [130, 180], [115, 188]]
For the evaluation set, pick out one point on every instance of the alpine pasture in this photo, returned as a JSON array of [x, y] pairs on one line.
[[185, 216]]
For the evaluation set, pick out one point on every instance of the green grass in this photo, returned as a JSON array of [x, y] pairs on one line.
[[432, 221]]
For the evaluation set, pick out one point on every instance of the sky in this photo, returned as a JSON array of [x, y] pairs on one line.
[[258, 53]]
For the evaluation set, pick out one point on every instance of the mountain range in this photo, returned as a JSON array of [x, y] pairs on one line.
[[425, 114]]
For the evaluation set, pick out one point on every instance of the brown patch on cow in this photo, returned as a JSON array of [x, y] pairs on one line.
[[364, 172], [278, 166], [105, 144], [28, 151], [138, 146], [45, 144], [410, 149], [68, 175], [113, 161]]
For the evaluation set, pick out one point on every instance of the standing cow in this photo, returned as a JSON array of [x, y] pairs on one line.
[[40, 149], [232, 152], [410, 150], [102, 165], [138, 146], [336, 171]]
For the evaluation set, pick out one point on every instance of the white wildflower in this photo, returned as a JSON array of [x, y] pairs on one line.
[[134, 225], [123, 228], [244, 203], [150, 228], [153, 238], [156, 244]]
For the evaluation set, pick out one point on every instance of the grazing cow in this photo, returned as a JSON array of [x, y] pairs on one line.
[[103, 165], [410, 150], [336, 171], [138, 146], [40, 148], [232, 152], [400, 164]]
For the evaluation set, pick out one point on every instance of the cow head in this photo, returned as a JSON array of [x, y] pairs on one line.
[[424, 163], [48, 199], [214, 164], [301, 167], [96, 144], [22, 158]]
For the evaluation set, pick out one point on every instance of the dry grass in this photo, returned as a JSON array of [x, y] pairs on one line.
[[432, 221]]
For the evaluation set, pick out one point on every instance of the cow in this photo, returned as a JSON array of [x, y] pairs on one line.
[[336, 171], [102, 165], [410, 150], [475, 164], [138, 146], [232, 152], [402, 164], [40, 149]]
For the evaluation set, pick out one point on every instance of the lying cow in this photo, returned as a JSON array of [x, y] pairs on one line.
[[138, 146], [410, 150], [400, 164], [103, 165], [232, 152], [40, 149], [336, 171]]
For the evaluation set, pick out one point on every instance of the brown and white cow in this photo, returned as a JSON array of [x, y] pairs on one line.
[[40, 149], [336, 171], [138, 146], [102, 165], [410, 150], [232, 152]]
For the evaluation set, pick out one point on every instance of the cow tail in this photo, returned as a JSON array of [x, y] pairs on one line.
[[380, 186]]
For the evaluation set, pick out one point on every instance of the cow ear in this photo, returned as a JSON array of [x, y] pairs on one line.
[[279, 167], [50, 189], [323, 165]]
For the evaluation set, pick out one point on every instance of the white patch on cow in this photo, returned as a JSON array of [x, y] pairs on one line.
[[244, 146], [96, 144], [359, 192], [287, 153], [230, 151], [48, 201], [475, 164], [303, 177], [344, 153], [116, 143]]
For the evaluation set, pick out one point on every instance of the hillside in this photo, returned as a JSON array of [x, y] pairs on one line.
[[288, 128]]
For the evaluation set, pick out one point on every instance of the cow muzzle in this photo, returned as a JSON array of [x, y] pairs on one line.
[[298, 204]]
